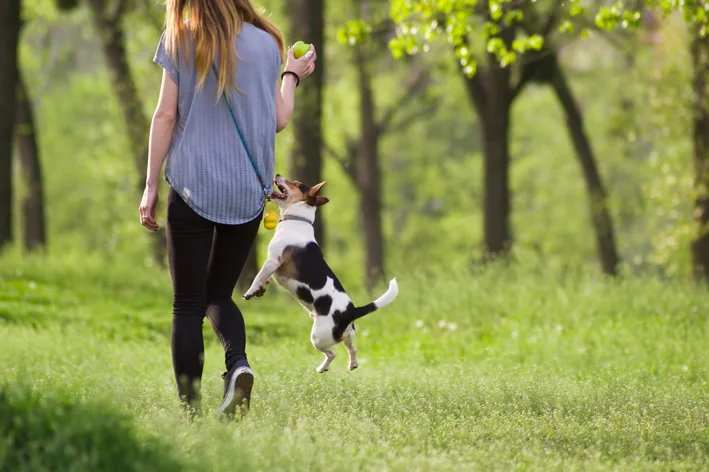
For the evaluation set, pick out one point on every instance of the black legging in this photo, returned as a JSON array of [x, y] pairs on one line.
[[206, 259]]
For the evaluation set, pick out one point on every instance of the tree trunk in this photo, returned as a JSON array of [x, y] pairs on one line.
[[10, 22], [110, 31], [108, 25], [307, 24], [497, 214], [368, 175], [598, 199], [490, 92], [34, 230], [700, 245]]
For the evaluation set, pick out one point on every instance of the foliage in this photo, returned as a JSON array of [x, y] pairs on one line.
[[466, 25], [620, 15], [430, 214]]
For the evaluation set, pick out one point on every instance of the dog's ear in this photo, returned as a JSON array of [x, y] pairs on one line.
[[314, 191], [320, 201]]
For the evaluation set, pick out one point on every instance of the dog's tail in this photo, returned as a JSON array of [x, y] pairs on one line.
[[380, 302]]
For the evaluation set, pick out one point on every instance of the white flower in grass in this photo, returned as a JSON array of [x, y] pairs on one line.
[[558, 328], [442, 324], [515, 334], [419, 324], [452, 326]]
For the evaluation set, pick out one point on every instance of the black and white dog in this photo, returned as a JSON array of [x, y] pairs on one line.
[[297, 264]]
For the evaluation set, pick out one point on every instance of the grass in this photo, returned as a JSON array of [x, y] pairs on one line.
[[494, 370]]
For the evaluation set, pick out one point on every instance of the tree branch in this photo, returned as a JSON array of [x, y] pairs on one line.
[[614, 38], [421, 81], [528, 58], [118, 11], [406, 120], [552, 19], [347, 160], [476, 85], [528, 61]]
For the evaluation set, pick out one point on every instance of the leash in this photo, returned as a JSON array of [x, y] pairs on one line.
[[270, 217]]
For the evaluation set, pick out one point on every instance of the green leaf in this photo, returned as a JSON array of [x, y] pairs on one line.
[[576, 10], [607, 18], [496, 10], [536, 42], [566, 26]]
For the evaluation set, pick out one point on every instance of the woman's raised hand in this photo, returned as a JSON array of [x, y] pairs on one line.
[[304, 66]]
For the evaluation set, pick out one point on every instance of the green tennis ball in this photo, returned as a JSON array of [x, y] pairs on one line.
[[299, 49]]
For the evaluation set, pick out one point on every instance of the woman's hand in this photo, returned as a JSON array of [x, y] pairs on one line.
[[285, 92], [147, 207], [303, 66]]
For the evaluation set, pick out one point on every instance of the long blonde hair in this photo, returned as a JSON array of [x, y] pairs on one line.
[[214, 25]]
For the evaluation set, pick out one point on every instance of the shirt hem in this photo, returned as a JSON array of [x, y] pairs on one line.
[[221, 221]]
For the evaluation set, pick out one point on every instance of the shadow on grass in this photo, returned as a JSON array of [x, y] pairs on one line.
[[41, 432]]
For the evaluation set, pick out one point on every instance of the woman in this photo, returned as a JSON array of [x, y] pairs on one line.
[[221, 65]]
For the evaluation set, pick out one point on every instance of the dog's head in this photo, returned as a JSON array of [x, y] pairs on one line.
[[291, 193]]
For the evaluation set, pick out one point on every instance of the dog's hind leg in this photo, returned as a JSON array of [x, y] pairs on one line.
[[329, 357], [348, 341]]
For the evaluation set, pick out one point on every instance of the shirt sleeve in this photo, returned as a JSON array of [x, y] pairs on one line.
[[279, 62], [162, 58]]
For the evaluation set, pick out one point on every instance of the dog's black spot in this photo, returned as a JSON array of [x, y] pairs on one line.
[[322, 305], [311, 268], [343, 319], [304, 295], [303, 188]]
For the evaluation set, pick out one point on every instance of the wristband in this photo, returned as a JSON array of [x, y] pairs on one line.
[[297, 79]]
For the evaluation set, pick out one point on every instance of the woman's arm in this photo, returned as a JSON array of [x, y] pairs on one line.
[[285, 102], [161, 130], [285, 94]]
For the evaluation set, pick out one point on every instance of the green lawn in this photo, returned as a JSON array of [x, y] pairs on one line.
[[490, 370]]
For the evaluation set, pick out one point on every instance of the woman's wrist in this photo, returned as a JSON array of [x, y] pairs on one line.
[[289, 73], [151, 183]]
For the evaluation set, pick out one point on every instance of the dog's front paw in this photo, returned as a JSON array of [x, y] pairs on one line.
[[321, 369], [255, 292], [352, 365]]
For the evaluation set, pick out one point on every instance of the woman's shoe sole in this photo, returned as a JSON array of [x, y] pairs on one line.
[[239, 393]]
